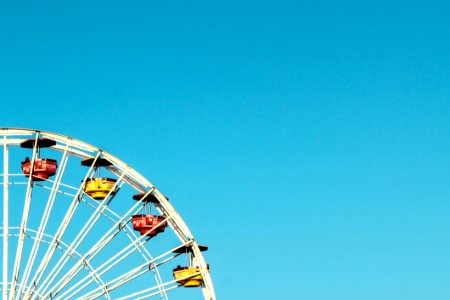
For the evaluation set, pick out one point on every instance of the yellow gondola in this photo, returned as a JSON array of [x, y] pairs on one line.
[[188, 276], [99, 188]]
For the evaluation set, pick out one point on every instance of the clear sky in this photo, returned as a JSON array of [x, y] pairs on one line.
[[306, 142]]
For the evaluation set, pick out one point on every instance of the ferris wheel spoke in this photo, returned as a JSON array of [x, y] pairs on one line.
[[119, 282], [76, 256], [26, 209], [89, 268], [150, 292], [107, 287], [44, 220], [5, 218], [112, 216], [94, 250], [145, 296], [139, 248], [116, 259], [60, 232], [113, 261], [126, 277], [80, 237]]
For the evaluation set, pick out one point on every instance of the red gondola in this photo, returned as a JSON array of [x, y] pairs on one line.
[[146, 224], [43, 168]]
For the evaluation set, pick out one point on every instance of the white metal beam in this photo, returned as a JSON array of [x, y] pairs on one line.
[[5, 218], [60, 232], [79, 239], [102, 242], [118, 281], [44, 220], [23, 226]]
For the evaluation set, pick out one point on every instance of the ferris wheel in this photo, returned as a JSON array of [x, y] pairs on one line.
[[78, 223]]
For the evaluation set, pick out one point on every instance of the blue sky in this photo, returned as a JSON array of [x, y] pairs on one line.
[[306, 142]]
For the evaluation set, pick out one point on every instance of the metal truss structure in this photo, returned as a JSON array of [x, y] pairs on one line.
[[62, 241]]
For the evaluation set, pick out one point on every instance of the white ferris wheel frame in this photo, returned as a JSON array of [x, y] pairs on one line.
[[47, 288]]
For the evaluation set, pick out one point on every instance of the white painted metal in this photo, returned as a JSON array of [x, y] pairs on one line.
[[80, 237], [62, 228], [51, 278], [45, 238], [117, 258], [101, 243], [23, 226], [120, 279], [5, 219], [44, 220], [147, 293]]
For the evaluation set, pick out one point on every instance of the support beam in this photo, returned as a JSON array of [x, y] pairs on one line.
[[23, 225], [5, 218]]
